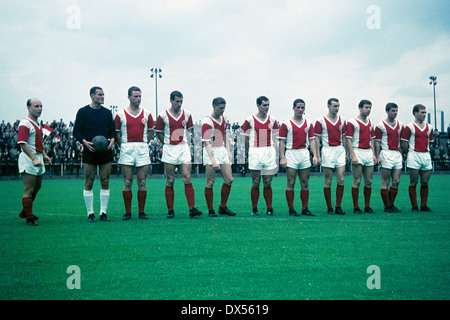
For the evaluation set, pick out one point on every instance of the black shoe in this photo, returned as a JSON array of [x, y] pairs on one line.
[[330, 211], [212, 213], [339, 211], [357, 211], [171, 214], [270, 211], [104, 217], [415, 209], [368, 210], [142, 215], [23, 216], [194, 212], [306, 212], [394, 209], [387, 209], [255, 211], [294, 213], [31, 222], [91, 218], [425, 208], [226, 211], [126, 216]]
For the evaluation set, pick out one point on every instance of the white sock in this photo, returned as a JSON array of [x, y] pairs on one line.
[[104, 199], [89, 201]]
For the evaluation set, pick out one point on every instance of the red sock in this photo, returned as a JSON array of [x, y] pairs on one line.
[[412, 196], [267, 193], [304, 196], [290, 198], [355, 195], [392, 195], [423, 196], [224, 193], [367, 193], [190, 196], [339, 194], [327, 194], [385, 196], [170, 194], [127, 195], [254, 194], [27, 204], [209, 196], [142, 197]]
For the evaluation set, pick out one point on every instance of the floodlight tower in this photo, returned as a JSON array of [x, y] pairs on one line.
[[434, 83], [156, 72]]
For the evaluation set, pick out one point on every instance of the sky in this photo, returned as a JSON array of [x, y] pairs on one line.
[[383, 51]]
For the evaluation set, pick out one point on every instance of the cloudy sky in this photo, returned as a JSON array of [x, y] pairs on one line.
[[239, 49]]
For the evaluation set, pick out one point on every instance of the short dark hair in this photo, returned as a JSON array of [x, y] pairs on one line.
[[363, 102], [260, 99], [94, 90], [391, 105], [29, 102], [332, 100], [133, 88], [418, 107], [217, 101], [298, 101], [175, 94]]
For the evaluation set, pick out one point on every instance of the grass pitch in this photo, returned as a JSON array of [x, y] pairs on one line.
[[223, 258]]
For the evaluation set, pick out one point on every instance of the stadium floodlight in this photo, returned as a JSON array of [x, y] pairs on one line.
[[434, 83], [156, 73]]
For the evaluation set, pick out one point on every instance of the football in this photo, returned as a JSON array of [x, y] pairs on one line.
[[100, 143]]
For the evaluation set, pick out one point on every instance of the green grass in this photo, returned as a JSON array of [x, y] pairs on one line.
[[223, 258]]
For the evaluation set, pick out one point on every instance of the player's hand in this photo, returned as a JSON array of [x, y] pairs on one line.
[[283, 163], [315, 161], [47, 159], [215, 165], [89, 146], [111, 144], [37, 163]]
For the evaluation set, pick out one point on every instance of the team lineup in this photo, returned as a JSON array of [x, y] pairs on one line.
[[332, 141]]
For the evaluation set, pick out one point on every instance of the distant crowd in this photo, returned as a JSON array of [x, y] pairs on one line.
[[65, 150]]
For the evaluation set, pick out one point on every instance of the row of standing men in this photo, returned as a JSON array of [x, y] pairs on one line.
[[357, 140]]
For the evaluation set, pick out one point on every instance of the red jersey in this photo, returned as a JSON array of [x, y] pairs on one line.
[[389, 136], [361, 133], [331, 132], [260, 133], [418, 139], [134, 128], [31, 133], [174, 129], [297, 135], [214, 131]]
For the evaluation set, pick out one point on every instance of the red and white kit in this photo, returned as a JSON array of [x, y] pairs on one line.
[[215, 131], [333, 152], [389, 137], [361, 134], [261, 154], [419, 139], [134, 147], [30, 133], [297, 136]]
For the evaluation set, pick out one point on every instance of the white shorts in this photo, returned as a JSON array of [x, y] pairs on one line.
[[297, 159], [134, 154], [262, 158], [220, 154], [391, 159], [176, 153], [419, 160], [364, 156], [26, 164], [333, 157]]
